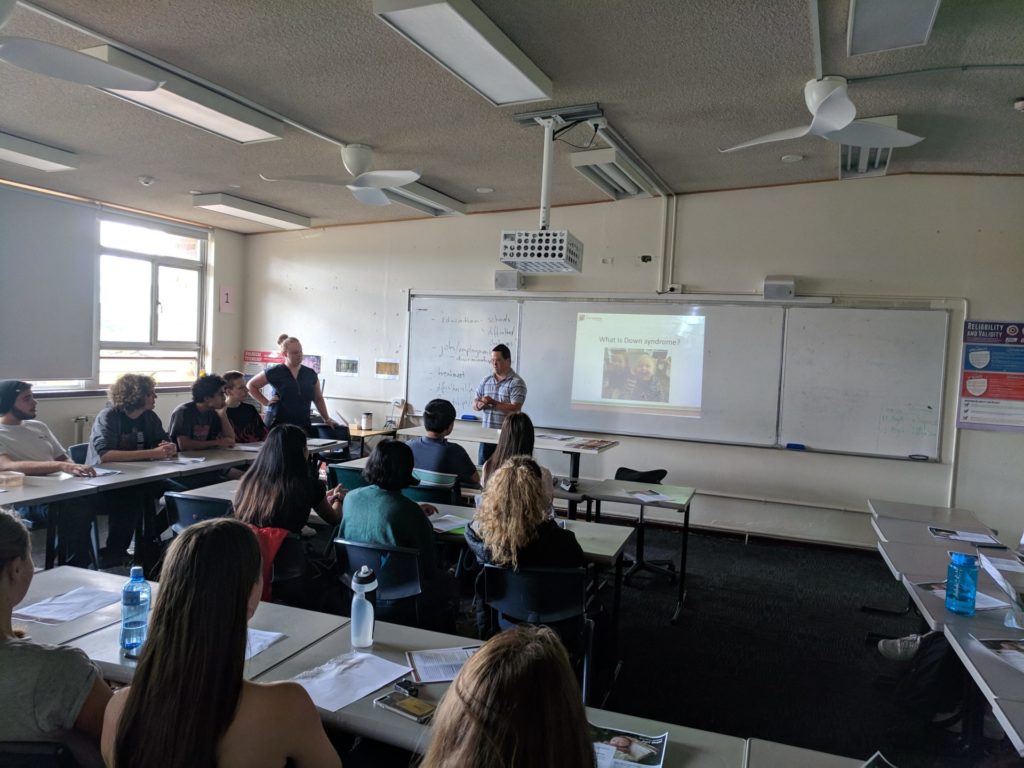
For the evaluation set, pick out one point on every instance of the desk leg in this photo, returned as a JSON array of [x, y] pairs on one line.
[[616, 621], [51, 537], [682, 565]]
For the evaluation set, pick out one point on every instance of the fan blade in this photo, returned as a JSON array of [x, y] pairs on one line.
[[384, 179], [330, 180], [6, 9], [369, 195], [836, 111], [64, 64], [789, 133], [864, 134]]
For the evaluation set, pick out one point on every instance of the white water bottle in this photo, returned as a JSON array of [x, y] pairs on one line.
[[364, 584]]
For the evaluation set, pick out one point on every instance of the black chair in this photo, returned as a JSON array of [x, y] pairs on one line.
[[36, 754], [184, 510], [324, 432], [78, 452], [666, 567], [399, 583], [556, 597]]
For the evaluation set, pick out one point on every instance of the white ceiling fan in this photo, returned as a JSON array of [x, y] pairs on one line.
[[366, 186], [833, 114], [64, 64]]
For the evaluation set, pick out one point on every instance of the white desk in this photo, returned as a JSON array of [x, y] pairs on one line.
[[994, 677], [915, 532], [687, 747], [1010, 715], [472, 432], [944, 517], [922, 558], [224, 491], [64, 578], [933, 608], [621, 491], [770, 754]]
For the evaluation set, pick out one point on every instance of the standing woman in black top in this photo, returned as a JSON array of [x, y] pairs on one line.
[[296, 387]]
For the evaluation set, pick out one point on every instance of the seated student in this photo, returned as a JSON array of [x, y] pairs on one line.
[[278, 491], [28, 446], [516, 439], [515, 704], [246, 421], [511, 526], [47, 693], [189, 704], [435, 453], [643, 384], [201, 424], [379, 514], [128, 430]]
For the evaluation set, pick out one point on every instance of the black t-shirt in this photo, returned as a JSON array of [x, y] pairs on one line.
[[114, 431], [247, 423], [188, 421], [295, 395], [305, 494]]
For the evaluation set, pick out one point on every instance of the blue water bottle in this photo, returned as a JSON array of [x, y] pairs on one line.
[[134, 612], [961, 583]]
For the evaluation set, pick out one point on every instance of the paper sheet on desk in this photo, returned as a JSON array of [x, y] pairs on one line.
[[67, 607], [982, 602], [259, 640], [649, 497], [100, 472], [248, 447], [348, 678], [184, 460], [1010, 651], [445, 523]]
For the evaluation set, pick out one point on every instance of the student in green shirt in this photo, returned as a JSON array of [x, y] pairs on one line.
[[379, 514]]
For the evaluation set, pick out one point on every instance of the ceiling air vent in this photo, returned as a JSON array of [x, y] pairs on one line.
[[864, 162]]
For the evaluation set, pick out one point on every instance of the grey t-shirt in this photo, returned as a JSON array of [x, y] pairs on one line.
[[42, 690]]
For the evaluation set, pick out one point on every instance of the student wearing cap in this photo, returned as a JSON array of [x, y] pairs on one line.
[[435, 453], [28, 446]]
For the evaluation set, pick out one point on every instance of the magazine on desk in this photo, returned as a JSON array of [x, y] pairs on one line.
[[591, 445], [615, 748], [1010, 651]]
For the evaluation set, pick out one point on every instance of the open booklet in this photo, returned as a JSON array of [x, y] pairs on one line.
[[615, 748]]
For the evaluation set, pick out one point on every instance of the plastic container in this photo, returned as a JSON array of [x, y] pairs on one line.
[[961, 583], [364, 586], [12, 479], [135, 599], [366, 421]]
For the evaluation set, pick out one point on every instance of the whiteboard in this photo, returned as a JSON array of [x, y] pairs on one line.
[[741, 372], [450, 343], [867, 381]]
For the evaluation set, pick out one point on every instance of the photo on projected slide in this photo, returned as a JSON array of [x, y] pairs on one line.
[[646, 363]]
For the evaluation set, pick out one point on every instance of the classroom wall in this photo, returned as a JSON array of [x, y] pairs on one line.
[[343, 291]]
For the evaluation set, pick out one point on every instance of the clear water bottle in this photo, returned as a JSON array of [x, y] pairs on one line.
[[364, 584], [134, 612], [961, 583]]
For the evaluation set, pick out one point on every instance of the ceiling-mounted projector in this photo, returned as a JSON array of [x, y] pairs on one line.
[[541, 250]]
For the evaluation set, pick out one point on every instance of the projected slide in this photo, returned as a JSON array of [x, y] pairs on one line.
[[652, 363]]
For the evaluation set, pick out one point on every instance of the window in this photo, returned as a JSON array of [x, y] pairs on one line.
[[150, 302], [151, 299]]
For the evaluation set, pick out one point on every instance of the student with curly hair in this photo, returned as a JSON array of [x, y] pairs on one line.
[[515, 704], [189, 703]]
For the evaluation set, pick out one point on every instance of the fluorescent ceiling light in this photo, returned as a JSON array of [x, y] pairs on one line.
[[247, 209], [459, 37], [614, 173], [425, 199], [191, 103], [24, 152], [883, 25]]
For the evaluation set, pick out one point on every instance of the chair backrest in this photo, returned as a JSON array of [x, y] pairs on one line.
[[78, 452], [36, 754], [350, 477], [536, 595], [431, 479], [397, 568], [432, 494], [184, 510], [325, 432], [654, 476]]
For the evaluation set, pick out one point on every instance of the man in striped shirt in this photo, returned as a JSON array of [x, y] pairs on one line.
[[498, 395]]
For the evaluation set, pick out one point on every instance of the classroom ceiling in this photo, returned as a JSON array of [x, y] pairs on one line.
[[676, 79]]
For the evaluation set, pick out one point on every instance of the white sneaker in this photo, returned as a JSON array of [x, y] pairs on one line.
[[900, 648]]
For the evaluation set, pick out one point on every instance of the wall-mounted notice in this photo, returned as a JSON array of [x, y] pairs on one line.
[[992, 378], [346, 366], [386, 368]]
